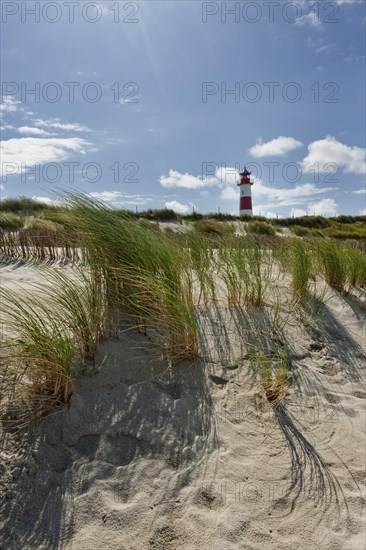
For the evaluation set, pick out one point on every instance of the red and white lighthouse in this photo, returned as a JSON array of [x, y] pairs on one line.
[[245, 207]]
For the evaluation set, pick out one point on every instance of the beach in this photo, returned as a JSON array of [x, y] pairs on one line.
[[194, 456]]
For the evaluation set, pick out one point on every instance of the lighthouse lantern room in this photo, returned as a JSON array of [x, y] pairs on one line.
[[245, 185]]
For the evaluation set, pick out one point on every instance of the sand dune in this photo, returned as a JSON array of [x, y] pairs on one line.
[[195, 457]]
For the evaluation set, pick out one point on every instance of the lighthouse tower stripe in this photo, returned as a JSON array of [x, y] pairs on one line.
[[245, 190], [245, 203]]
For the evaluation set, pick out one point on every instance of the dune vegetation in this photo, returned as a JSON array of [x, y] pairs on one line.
[[128, 275]]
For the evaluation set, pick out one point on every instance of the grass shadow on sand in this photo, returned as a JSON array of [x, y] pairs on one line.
[[136, 419], [234, 332], [340, 343], [310, 478]]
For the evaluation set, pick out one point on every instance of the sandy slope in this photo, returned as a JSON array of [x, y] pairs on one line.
[[147, 457]]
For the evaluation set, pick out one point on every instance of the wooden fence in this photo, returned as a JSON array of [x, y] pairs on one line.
[[41, 245]]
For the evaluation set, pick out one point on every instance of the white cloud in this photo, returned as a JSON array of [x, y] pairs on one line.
[[263, 210], [229, 193], [353, 59], [341, 2], [46, 200], [325, 207], [75, 127], [5, 127], [276, 147], [361, 191], [330, 150], [223, 176], [270, 214], [227, 175], [127, 101], [308, 19], [88, 73], [186, 181], [9, 104], [118, 198], [288, 196], [297, 212], [178, 207], [362, 212], [32, 131], [296, 197], [326, 48], [30, 151]]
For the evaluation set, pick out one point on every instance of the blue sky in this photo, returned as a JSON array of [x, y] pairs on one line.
[[158, 103]]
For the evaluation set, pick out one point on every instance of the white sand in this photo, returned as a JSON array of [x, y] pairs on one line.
[[194, 457]]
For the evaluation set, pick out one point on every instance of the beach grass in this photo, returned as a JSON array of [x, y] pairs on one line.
[[331, 263], [143, 272], [41, 347], [300, 266], [81, 301], [134, 275], [275, 375]]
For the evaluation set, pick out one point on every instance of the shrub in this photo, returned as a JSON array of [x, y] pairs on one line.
[[193, 217], [159, 215], [301, 231], [261, 228], [210, 227], [10, 221], [37, 224], [348, 219], [221, 217], [25, 205], [57, 215], [307, 231], [355, 230], [306, 221]]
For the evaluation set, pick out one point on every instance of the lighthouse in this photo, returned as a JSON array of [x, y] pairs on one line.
[[245, 207]]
